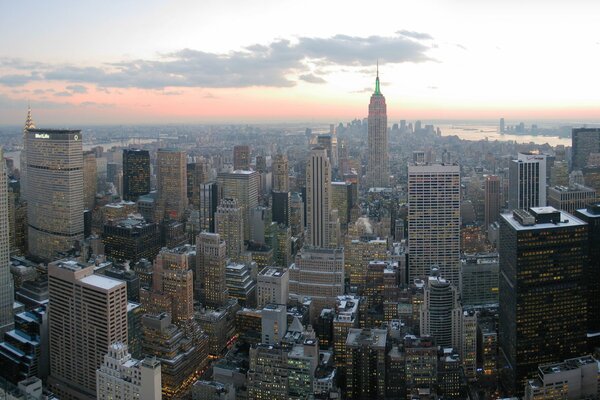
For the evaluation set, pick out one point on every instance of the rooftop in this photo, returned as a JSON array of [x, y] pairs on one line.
[[566, 220], [102, 282]]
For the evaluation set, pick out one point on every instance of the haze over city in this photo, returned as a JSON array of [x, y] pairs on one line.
[[193, 62]]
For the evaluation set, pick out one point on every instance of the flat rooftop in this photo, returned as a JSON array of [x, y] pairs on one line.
[[566, 220], [102, 282]]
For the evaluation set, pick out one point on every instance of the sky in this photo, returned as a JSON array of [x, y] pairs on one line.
[[246, 61]]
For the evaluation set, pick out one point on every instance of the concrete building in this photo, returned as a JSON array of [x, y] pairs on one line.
[[318, 198], [378, 169], [122, 377], [570, 198], [272, 286], [211, 264], [584, 142], [87, 312], [6, 279], [527, 181], [212, 390], [55, 170], [576, 378], [229, 224], [241, 185], [434, 221], [441, 314], [493, 196], [90, 180], [171, 182], [273, 323], [241, 157], [281, 180]]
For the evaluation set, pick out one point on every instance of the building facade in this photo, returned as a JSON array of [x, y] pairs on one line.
[[136, 173], [378, 170]]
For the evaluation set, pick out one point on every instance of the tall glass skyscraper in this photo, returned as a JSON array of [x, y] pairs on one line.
[[378, 171], [55, 207], [136, 173]]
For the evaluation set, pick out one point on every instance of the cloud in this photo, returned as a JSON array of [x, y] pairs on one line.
[[364, 90], [209, 96], [171, 92], [277, 64], [98, 105], [311, 78], [77, 88], [63, 94]]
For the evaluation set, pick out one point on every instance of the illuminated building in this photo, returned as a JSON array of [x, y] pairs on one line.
[[172, 285], [261, 254], [219, 325], [434, 221], [242, 186], [6, 279], [357, 254], [378, 170], [366, 360], [281, 243], [136, 173], [229, 224], [241, 157], [479, 279], [346, 318], [281, 181], [570, 198], [268, 374], [319, 274], [87, 313], [171, 184], [248, 325], [55, 170], [450, 376], [297, 221], [272, 286], [543, 318], [90, 180], [421, 357], [122, 377], [341, 200], [131, 239], [196, 175], [211, 262], [591, 215], [183, 357], [134, 328], [488, 348], [240, 284], [302, 361], [468, 344], [441, 313], [584, 141], [318, 198], [527, 181]]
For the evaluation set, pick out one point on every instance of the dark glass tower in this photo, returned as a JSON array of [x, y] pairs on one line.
[[542, 305], [585, 141], [136, 173]]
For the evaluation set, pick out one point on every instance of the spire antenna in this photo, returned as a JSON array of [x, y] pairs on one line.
[[377, 90]]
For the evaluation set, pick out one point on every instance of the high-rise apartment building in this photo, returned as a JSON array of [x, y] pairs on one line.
[[281, 180], [584, 142], [122, 377], [136, 173], [318, 198], [29, 124], [6, 279], [55, 207], [492, 199], [434, 221], [543, 253], [366, 370], [171, 183], [527, 181], [229, 224], [241, 185], [241, 157], [87, 313], [378, 170], [211, 265]]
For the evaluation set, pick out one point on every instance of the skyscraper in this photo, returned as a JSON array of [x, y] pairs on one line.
[[171, 182], [229, 224], [280, 174], [318, 200], [29, 124], [90, 180], [87, 313], [584, 142], [136, 173], [241, 157], [378, 170], [492, 199], [6, 280], [366, 352], [543, 253], [209, 197], [243, 186], [434, 221], [527, 181], [441, 313], [55, 207], [211, 266]]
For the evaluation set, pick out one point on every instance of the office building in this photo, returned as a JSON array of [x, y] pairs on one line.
[[229, 224], [318, 274], [493, 195], [212, 390], [172, 285], [197, 174], [29, 124], [241, 185], [281, 180], [209, 200], [378, 170], [297, 214], [543, 318], [241, 157], [90, 180], [357, 254], [268, 374], [318, 198], [591, 215], [479, 274], [584, 142], [570, 198], [280, 205], [122, 377], [341, 200], [131, 239], [346, 317], [55, 170], [87, 313], [171, 182], [467, 346], [273, 323], [434, 221], [272, 286], [421, 363], [240, 284], [441, 312], [527, 181], [366, 354], [6, 279], [211, 264], [136, 173]]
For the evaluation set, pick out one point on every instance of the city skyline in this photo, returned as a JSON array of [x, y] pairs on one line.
[[162, 62]]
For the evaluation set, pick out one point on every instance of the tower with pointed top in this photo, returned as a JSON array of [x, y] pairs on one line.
[[29, 124], [378, 169]]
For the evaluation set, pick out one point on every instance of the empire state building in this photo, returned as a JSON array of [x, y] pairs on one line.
[[378, 171]]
